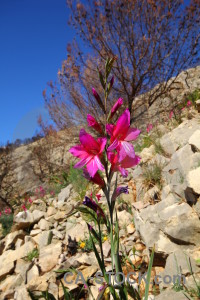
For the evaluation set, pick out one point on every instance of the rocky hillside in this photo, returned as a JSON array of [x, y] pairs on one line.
[[162, 210], [27, 169]]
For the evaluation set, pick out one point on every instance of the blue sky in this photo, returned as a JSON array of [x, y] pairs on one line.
[[33, 36]]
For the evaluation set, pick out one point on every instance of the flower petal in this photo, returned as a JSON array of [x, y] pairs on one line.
[[83, 161], [110, 128], [123, 172], [132, 134], [94, 165], [126, 149], [123, 124], [88, 142], [113, 146], [102, 143], [78, 151], [129, 162]]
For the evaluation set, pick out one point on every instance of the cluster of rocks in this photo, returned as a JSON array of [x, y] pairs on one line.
[[166, 218], [172, 224]]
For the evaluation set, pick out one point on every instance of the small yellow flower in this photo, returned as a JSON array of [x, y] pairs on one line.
[[106, 294], [105, 238], [82, 245]]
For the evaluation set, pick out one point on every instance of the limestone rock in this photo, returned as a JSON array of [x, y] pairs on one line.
[[11, 282], [51, 211], [32, 273], [167, 226], [147, 153], [43, 224], [178, 264], [171, 295], [49, 256], [26, 218], [42, 239], [194, 140], [22, 267], [12, 237], [106, 248], [65, 193], [21, 293], [193, 180], [77, 231], [6, 269], [179, 136], [13, 255]]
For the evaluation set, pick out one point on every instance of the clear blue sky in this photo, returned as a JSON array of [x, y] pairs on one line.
[[33, 39]]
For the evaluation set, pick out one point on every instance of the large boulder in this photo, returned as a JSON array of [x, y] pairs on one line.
[[49, 256], [25, 219], [193, 180], [194, 140], [171, 226]]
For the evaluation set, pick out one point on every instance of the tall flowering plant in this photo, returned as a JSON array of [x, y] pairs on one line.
[[100, 158]]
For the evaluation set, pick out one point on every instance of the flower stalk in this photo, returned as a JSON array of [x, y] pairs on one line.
[[111, 153]]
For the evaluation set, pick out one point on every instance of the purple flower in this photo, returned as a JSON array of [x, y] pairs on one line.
[[95, 207], [120, 190], [101, 288], [89, 227]]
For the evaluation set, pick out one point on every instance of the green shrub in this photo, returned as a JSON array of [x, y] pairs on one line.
[[33, 254], [194, 96], [7, 222], [80, 184]]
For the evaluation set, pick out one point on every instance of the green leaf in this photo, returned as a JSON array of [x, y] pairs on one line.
[[94, 233], [101, 264], [86, 211], [101, 293], [101, 79], [67, 295], [149, 275], [132, 292]]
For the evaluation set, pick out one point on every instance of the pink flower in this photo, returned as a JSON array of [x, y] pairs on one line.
[[89, 152], [94, 124], [98, 99], [0, 214], [97, 179], [121, 134], [182, 108], [6, 211], [149, 127], [116, 106], [30, 201], [127, 162], [98, 197], [24, 207], [189, 103], [171, 114]]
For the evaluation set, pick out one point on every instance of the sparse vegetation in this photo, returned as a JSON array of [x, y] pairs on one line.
[[151, 139], [7, 222], [33, 254], [194, 96], [152, 175], [79, 183]]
